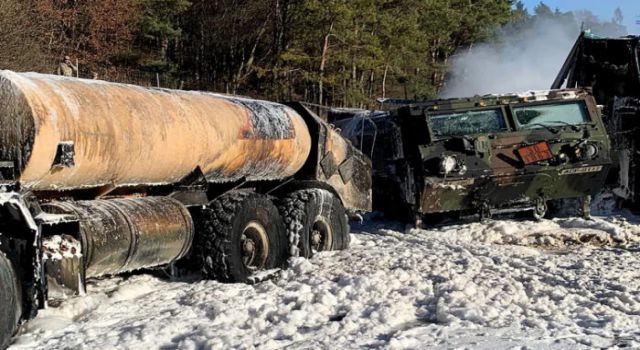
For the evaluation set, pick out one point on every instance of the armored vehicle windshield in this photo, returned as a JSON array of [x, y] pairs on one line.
[[539, 116], [467, 123]]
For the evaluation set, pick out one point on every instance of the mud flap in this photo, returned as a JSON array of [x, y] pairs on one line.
[[65, 277]]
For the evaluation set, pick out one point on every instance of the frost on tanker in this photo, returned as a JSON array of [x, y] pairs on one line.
[[269, 120], [60, 247]]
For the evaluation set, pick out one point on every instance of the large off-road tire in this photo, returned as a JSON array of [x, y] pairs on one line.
[[10, 302], [237, 235], [316, 221]]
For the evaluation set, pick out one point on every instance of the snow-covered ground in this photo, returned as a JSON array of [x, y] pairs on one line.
[[556, 284]]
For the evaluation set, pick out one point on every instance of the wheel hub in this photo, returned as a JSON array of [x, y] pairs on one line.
[[249, 246], [316, 237], [321, 237], [254, 246], [540, 209]]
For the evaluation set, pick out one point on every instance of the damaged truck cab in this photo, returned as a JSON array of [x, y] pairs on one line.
[[610, 67], [485, 155]]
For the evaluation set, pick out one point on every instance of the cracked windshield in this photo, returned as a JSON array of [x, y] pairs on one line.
[[467, 123]]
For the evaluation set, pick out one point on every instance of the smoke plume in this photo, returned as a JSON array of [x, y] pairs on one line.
[[519, 61]]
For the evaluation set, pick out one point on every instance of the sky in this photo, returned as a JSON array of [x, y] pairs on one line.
[[601, 8]]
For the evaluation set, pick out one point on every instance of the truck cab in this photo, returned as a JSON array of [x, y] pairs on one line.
[[486, 155]]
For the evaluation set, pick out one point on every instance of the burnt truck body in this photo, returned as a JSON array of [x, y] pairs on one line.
[[99, 178], [484, 155], [610, 67]]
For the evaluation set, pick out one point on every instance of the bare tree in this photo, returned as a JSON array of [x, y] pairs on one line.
[[21, 38]]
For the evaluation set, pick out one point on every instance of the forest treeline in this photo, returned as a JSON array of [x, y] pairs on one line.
[[329, 52]]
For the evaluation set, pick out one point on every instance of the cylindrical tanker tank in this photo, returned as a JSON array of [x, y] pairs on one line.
[[119, 235], [123, 135]]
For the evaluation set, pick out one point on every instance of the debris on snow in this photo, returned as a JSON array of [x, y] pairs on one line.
[[60, 247]]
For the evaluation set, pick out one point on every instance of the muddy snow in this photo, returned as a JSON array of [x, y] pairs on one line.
[[555, 284]]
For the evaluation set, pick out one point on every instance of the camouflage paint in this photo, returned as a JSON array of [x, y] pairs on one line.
[[496, 176], [407, 156]]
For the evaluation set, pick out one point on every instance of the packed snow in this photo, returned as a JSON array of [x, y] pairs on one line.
[[557, 284], [60, 247]]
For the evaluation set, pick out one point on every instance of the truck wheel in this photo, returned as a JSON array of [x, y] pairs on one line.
[[585, 207], [316, 221], [485, 212], [237, 235], [10, 303], [540, 209]]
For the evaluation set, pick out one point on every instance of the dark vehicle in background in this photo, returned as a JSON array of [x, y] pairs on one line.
[[484, 155], [610, 67]]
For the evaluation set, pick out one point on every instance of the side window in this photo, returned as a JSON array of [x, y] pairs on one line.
[[637, 60], [540, 116], [467, 123]]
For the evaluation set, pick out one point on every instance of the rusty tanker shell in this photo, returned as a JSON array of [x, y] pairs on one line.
[[124, 135]]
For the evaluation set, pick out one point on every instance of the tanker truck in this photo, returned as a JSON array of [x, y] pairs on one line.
[[99, 179]]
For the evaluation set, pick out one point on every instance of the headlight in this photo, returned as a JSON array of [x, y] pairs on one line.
[[448, 164], [589, 151], [562, 157]]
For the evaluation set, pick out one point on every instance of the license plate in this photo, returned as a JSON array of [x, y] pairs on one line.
[[582, 170], [535, 153]]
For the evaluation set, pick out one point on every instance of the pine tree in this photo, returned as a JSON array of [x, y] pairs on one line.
[[158, 29]]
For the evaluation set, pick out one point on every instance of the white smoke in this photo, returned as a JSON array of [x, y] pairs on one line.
[[525, 60]]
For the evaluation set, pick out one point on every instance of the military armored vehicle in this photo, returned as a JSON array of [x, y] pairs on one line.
[[610, 68], [98, 179], [484, 155]]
